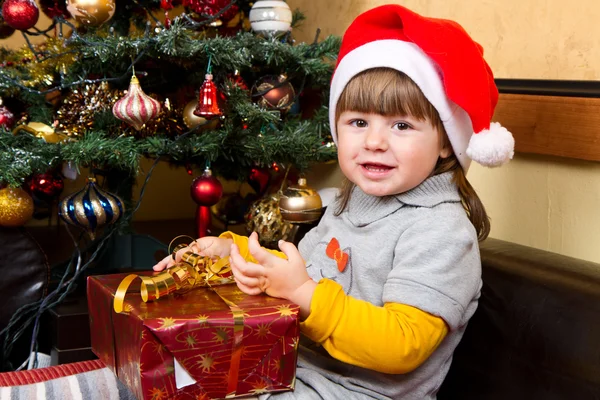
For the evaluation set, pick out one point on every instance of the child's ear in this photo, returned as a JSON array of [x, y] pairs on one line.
[[446, 151]]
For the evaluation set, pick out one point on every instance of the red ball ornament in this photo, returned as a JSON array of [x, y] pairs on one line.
[[55, 8], [7, 119], [206, 190], [20, 14], [210, 8], [274, 92], [46, 186]]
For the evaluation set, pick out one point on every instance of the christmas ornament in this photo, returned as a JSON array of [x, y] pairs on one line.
[[16, 207], [300, 203], [5, 29], [191, 120], [55, 8], [91, 208], [270, 18], [42, 131], [7, 119], [76, 114], [265, 219], [213, 9], [46, 186], [208, 106], [259, 179], [136, 108], [20, 14], [206, 190], [91, 12], [274, 92]]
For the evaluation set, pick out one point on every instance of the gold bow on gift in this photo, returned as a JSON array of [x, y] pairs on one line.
[[193, 271]]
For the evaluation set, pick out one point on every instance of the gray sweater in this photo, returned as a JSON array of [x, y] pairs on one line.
[[416, 248]]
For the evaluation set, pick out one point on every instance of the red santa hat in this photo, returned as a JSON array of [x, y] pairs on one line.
[[446, 64]]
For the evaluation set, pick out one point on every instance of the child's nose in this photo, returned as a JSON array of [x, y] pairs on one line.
[[376, 139]]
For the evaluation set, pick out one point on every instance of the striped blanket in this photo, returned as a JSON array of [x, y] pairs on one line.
[[87, 380]]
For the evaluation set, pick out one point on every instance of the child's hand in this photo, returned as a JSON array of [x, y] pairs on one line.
[[275, 276], [209, 246]]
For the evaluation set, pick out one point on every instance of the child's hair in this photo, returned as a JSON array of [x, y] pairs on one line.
[[388, 91]]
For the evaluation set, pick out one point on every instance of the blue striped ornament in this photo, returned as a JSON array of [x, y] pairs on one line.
[[91, 208]]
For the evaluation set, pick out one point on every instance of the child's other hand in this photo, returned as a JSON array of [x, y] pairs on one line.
[[209, 246], [273, 275]]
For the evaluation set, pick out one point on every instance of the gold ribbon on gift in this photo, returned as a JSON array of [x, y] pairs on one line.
[[193, 271]]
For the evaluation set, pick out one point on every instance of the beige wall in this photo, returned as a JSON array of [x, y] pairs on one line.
[[549, 203]]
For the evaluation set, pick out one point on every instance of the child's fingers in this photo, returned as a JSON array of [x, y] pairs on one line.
[[246, 280], [164, 263], [247, 289], [291, 251], [259, 253]]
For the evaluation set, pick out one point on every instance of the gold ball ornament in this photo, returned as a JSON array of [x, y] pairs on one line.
[[191, 120], [16, 207], [91, 12], [265, 219], [300, 203]]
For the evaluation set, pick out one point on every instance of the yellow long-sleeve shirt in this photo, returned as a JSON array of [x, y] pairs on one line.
[[394, 339]]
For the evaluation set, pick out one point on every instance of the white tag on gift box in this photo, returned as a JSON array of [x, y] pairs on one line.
[[182, 377]]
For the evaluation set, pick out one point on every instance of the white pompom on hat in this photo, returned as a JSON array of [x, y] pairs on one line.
[[446, 64]]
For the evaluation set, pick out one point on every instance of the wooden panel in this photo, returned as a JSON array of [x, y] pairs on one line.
[[558, 126]]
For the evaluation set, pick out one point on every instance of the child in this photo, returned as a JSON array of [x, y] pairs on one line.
[[388, 280]]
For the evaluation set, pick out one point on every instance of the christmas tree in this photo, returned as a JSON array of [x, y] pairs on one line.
[[219, 85]]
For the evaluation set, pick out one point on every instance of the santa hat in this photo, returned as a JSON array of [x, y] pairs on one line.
[[446, 64]]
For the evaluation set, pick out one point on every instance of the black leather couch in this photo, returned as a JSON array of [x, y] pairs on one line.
[[535, 335]]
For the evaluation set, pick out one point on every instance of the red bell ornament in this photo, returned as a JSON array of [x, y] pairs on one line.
[[208, 104], [20, 14]]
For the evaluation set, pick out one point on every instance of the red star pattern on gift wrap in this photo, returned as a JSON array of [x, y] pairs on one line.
[[263, 330], [221, 336], [202, 319], [191, 340], [167, 323], [286, 311], [206, 363], [158, 394], [278, 364], [260, 387]]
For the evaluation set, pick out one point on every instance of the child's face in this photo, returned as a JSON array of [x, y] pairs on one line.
[[387, 155]]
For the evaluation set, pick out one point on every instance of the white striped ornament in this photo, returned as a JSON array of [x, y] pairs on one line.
[[136, 107]]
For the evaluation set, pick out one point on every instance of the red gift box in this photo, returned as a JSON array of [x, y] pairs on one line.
[[218, 341]]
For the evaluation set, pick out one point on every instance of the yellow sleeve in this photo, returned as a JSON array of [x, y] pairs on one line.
[[394, 339], [242, 244]]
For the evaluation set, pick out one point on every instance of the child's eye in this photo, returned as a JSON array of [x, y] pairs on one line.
[[402, 126], [359, 123]]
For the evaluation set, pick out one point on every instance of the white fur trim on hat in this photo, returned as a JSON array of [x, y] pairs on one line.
[[492, 147], [408, 58]]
